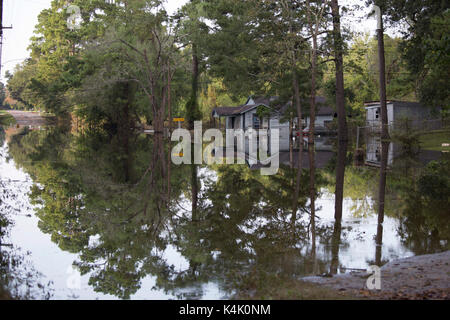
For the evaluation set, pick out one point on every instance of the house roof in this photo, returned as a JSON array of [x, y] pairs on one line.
[[230, 111], [225, 111], [323, 109], [396, 102]]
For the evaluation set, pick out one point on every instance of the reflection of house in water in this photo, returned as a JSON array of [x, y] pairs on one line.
[[373, 153], [322, 158], [323, 155]]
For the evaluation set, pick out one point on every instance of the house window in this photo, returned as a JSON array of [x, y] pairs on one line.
[[255, 122], [377, 113]]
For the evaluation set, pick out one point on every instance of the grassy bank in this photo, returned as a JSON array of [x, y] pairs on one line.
[[434, 140], [279, 287]]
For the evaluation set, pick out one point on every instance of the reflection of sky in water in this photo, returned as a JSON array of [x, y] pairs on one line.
[[360, 252], [357, 251]]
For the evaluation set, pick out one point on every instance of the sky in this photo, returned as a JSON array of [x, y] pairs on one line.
[[22, 15]]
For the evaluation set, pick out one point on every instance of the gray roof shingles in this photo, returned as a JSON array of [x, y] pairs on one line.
[[323, 109]]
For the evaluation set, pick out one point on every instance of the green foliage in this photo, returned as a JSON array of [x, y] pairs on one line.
[[361, 73], [263, 111], [426, 45]]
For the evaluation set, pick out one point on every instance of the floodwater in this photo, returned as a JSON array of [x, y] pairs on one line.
[[97, 216]]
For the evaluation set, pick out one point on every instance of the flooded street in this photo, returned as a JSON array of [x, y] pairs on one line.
[[101, 216], [27, 118]]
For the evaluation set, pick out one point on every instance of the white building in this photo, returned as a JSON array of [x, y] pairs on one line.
[[245, 117], [398, 111]]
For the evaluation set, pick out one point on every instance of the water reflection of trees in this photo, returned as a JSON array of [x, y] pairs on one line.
[[18, 277], [406, 190], [121, 205], [424, 198], [112, 205]]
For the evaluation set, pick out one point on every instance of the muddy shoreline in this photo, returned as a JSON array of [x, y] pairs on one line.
[[419, 277]]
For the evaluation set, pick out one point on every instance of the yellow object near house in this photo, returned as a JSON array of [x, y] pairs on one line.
[[178, 119]]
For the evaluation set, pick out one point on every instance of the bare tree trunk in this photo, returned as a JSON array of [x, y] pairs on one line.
[[194, 191], [335, 243], [312, 191], [384, 141], [340, 175], [169, 101], [169, 106], [339, 197], [312, 111], [339, 64], [383, 103], [298, 107], [312, 116], [291, 145], [191, 106]]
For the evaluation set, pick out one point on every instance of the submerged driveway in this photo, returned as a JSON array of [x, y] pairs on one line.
[[28, 117]]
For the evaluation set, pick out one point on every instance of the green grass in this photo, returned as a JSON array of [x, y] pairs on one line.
[[279, 287], [434, 140]]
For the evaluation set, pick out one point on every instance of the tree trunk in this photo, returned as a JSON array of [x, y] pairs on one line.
[[335, 242], [194, 191], [312, 191], [339, 64], [312, 111], [383, 103], [169, 102], [311, 148], [381, 197], [298, 107], [291, 146], [340, 175], [339, 197], [191, 106]]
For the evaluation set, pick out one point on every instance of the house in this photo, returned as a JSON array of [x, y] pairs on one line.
[[397, 111], [324, 116], [245, 117]]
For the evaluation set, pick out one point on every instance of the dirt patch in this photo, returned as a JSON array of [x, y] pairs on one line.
[[420, 277]]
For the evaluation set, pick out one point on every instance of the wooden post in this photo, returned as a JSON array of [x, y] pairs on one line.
[[169, 106], [382, 67], [357, 138]]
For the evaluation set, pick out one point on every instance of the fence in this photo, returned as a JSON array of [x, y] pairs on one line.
[[373, 128]]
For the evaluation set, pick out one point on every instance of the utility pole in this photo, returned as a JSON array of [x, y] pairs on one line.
[[382, 67], [384, 136], [1, 33]]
